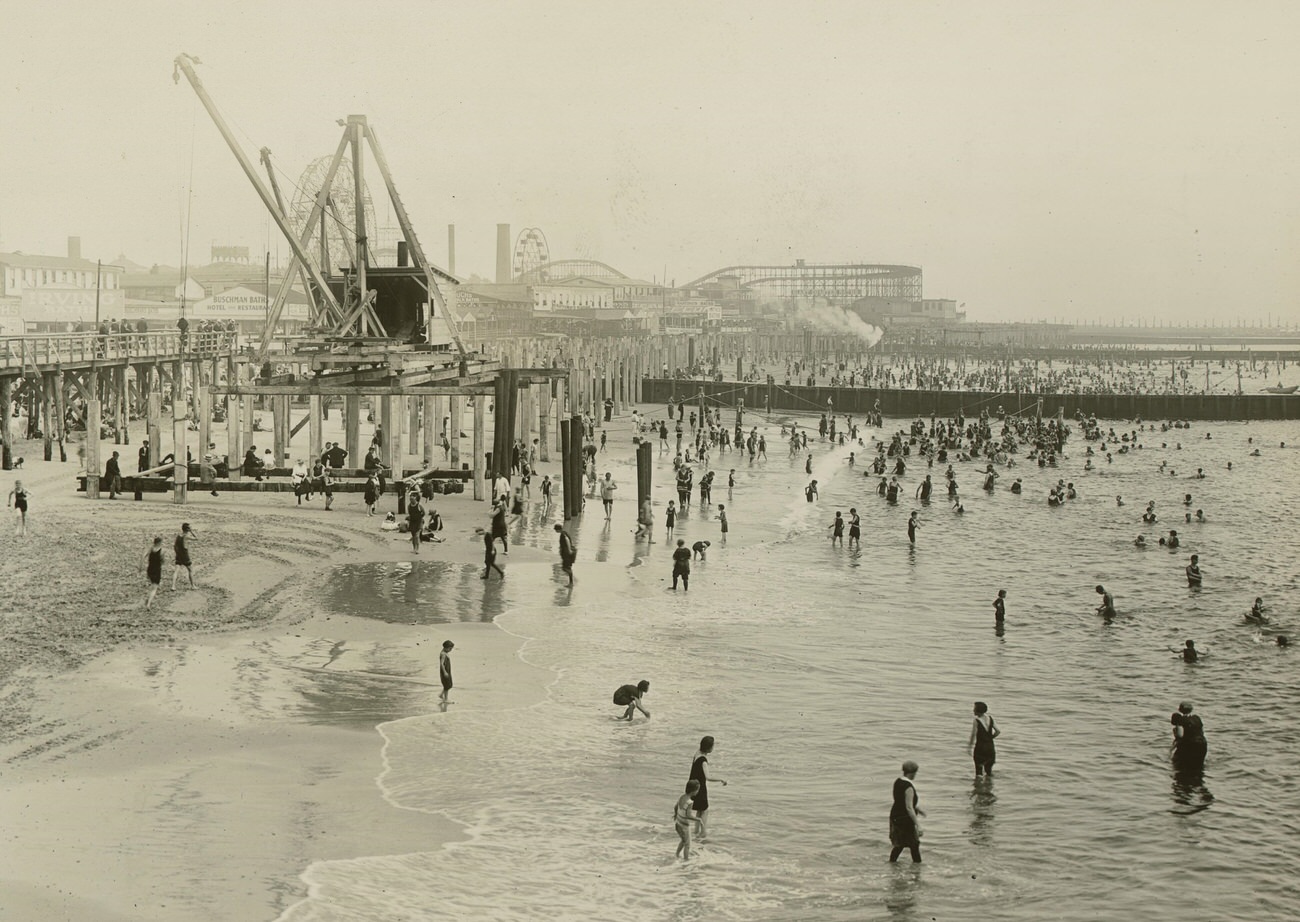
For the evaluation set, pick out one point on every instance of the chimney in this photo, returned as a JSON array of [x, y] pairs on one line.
[[503, 254], [74, 248], [401, 254], [451, 249]]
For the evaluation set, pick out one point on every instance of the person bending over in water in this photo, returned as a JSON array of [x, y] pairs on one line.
[[699, 549], [631, 695], [1107, 607]]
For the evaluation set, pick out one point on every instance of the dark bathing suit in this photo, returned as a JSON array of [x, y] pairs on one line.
[[902, 829], [985, 753], [701, 802], [154, 567], [182, 552]]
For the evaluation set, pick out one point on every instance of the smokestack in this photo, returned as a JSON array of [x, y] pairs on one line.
[[74, 248], [401, 254], [451, 249], [503, 254]]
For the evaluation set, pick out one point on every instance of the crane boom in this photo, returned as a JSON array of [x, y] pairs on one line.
[[184, 64]]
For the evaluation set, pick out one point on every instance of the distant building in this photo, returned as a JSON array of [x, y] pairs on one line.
[[489, 307], [889, 312], [55, 293], [577, 291]]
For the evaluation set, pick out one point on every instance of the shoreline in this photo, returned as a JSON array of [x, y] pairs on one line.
[[163, 759]]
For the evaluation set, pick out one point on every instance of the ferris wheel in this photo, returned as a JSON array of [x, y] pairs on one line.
[[531, 251], [339, 233]]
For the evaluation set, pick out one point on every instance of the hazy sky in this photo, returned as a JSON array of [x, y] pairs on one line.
[[1037, 159]]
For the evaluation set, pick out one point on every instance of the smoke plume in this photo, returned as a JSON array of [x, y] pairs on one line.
[[825, 317]]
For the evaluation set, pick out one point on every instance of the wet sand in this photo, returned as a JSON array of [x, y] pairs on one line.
[[191, 761]]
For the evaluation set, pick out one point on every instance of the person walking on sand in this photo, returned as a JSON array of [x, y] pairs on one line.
[[18, 500], [444, 668], [490, 556], [700, 773], [607, 488], [980, 745], [568, 553], [682, 565], [904, 822], [113, 475], [683, 817], [414, 519], [153, 569], [497, 527], [181, 555]]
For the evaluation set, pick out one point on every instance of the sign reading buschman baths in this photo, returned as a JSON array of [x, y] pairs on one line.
[[243, 304]]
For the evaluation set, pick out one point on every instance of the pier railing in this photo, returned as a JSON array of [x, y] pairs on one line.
[[41, 351]]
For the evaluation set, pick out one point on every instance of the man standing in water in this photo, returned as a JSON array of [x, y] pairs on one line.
[[444, 668], [904, 822], [1000, 608], [1107, 607], [568, 553], [1194, 572], [1189, 745], [682, 565], [912, 526]]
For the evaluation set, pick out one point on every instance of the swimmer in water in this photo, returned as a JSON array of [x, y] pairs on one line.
[[1119, 500], [1257, 611], [1189, 653], [1200, 516], [1281, 640], [836, 528], [1140, 541], [1194, 572], [1107, 607]]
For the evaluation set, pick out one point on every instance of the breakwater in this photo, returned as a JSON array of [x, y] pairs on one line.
[[905, 402]]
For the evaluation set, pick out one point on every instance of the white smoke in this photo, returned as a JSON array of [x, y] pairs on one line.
[[825, 317]]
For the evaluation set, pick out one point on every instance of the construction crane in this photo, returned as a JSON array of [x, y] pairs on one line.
[[347, 306]]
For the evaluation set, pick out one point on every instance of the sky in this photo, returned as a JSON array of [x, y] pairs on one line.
[[1103, 161]]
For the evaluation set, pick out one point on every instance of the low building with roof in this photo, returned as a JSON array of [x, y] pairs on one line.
[[40, 293]]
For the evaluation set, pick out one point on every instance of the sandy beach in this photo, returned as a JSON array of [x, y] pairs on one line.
[[189, 762]]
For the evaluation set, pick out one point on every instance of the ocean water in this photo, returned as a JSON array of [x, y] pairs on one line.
[[819, 669]]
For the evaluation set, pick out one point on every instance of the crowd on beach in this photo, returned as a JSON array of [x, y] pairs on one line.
[[991, 444], [1089, 375]]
